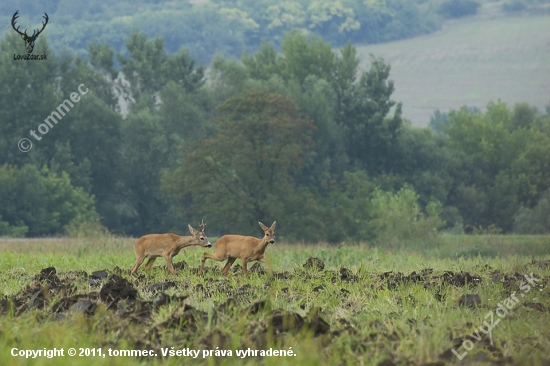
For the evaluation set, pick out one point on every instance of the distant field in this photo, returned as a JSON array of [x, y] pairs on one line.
[[469, 62]]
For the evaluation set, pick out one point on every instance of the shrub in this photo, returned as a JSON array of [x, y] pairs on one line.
[[477, 251], [6, 230], [514, 6], [534, 220], [397, 217], [458, 8]]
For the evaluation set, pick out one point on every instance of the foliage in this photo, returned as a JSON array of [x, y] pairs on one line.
[[227, 27], [86, 229], [301, 136], [6, 230], [248, 165], [477, 251], [397, 217], [458, 8], [498, 164], [534, 220], [514, 6], [40, 201]]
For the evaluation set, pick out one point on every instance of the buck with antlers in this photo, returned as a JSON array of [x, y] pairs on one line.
[[29, 40], [247, 248], [167, 246]]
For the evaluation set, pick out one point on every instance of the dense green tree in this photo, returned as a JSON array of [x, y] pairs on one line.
[[29, 94], [504, 164], [148, 69], [41, 201], [371, 133], [247, 167]]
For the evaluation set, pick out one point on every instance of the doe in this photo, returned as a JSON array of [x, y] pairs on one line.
[[167, 246], [247, 248]]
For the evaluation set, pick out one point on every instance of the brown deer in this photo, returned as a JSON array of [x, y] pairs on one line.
[[29, 40], [247, 248], [167, 246]]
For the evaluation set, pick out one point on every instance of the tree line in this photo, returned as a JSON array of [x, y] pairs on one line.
[[301, 136], [232, 27]]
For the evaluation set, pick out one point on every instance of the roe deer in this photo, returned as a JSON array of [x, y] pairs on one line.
[[247, 248], [167, 246]]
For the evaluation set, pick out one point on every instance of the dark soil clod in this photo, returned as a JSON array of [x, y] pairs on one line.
[[469, 300], [83, 306], [49, 277], [285, 322], [117, 288], [318, 288], [314, 264], [228, 305], [536, 306], [256, 307], [161, 286], [282, 275], [99, 275], [257, 268], [316, 324], [180, 265]]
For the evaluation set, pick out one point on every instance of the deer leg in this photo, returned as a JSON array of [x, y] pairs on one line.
[[169, 265], [206, 256], [139, 260], [150, 263], [228, 265], [268, 263], [245, 264]]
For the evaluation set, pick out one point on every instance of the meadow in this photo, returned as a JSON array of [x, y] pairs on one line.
[[336, 305], [469, 62]]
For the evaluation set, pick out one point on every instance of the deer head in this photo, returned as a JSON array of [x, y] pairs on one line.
[[29, 40]]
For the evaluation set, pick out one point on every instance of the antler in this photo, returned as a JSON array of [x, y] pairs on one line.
[[34, 34], [13, 19], [43, 26], [202, 225]]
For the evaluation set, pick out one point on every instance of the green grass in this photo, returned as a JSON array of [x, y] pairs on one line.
[[370, 322], [469, 62]]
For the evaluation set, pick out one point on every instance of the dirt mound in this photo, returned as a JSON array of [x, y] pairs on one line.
[[48, 276], [284, 321], [117, 288], [469, 300], [314, 264]]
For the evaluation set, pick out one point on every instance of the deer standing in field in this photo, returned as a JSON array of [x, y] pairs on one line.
[[167, 246], [247, 248]]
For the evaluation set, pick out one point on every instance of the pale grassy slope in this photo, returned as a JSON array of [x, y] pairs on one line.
[[470, 62]]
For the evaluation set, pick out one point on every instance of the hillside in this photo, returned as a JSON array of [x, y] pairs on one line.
[[470, 62]]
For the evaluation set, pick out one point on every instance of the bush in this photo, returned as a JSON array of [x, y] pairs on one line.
[[458, 8], [514, 6], [477, 251], [534, 220], [6, 230], [397, 217], [86, 229], [40, 201]]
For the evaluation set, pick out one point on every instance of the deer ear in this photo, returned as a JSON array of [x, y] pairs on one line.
[[264, 228], [191, 230], [273, 225]]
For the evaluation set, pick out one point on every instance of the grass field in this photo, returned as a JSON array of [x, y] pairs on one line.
[[469, 62], [354, 305]]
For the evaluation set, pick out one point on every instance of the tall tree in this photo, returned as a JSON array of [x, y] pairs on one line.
[[364, 112], [248, 165]]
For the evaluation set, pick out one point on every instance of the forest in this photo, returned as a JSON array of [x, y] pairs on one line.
[[231, 27], [300, 136]]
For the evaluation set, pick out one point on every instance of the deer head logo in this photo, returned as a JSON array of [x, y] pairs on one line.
[[29, 40]]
